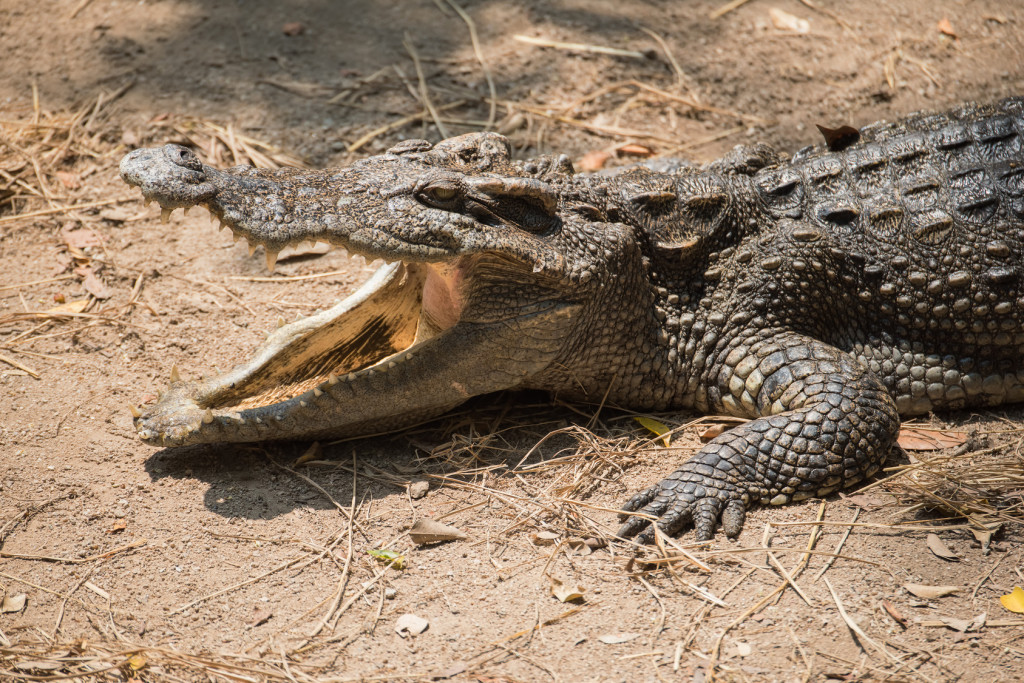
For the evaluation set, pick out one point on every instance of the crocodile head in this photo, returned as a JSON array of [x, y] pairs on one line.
[[488, 284]]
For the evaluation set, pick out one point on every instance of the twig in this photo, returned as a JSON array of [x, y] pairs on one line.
[[23, 368], [856, 627], [681, 78], [398, 123], [424, 94], [38, 282], [480, 58], [76, 560], [283, 565], [725, 9], [340, 593], [64, 209], [292, 278], [580, 47], [839, 546], [985, 578]]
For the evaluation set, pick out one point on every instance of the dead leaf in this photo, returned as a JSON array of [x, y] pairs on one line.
[[1014, 600], [410, 625], [655, 427], [784, 21], [136, 662], [429, 531], [891, 610], [419, 489], [566, 592], [930, 592], [616, 638], [93, 284], [956, 624], [634, 150], [69, 180], [260, 617], [82, 238], [593, 160], [921, 439], [116, 214], [984, 536], [13, 604], [940, 549], [119, 525], [545, 537], [946, 27], [714, 431], [293, 28], [838, 139], [76, 306], [312, 453]]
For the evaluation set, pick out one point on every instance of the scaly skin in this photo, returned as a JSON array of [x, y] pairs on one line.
[[823, 297]]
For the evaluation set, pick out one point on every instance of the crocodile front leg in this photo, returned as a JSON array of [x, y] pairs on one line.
[[824, 422]]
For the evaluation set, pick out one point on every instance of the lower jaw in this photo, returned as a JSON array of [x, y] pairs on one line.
[[353, 352]]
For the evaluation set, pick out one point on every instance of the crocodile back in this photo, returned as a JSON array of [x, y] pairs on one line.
[[905, 250]]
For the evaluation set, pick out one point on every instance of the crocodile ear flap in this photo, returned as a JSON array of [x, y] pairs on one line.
[[530, 190]]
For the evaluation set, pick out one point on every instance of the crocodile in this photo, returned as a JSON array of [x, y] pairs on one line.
[[823, 296]]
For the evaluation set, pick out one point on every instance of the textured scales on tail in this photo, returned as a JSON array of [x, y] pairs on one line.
[[822, 296]]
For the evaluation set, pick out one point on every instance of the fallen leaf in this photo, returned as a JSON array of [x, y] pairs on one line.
[[930, 592], [616, 638], [81, 238], [136, 661], [784, 21], [635, 150], [946, 27], [655, 427], [920, 439], [76, 306], [984, 536], [1014, 600], [940, 549], [714, 431], [566, 592], [69, 180], [312, 453], [410, 625], [92, 283], [593, 160], [260, 617], [429, 531], [891, 610], [838, 139], [418, 489], [119, 525], [545, 537], [391, 557], [979, 622], [116, 214], [13, 603], [956, 624], [293, 28]]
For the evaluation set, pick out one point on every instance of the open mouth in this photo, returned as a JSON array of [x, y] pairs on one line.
[[403, 311]]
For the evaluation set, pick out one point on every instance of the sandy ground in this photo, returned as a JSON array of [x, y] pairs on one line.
[[228, 563]]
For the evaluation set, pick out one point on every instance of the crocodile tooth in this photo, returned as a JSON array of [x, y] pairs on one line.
[[252, 249], [146, 201], [332, 379], [235, 236], [280, 322], [303, 404], [351, 377], [136, 413], [317, 392], [271, 260], [165, 215], [208, 417], [186, 210], [175, 376]]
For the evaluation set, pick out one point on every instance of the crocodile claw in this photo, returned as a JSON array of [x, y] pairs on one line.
[[684, 498]]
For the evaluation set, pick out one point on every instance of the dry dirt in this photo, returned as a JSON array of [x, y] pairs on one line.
[[218, 563]]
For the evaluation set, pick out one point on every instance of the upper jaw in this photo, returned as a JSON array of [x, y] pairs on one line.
[[161, 175]]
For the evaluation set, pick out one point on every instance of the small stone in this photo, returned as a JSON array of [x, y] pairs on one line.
[[418, 489]]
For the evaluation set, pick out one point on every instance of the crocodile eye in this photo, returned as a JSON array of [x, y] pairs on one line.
[[441, 196]]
